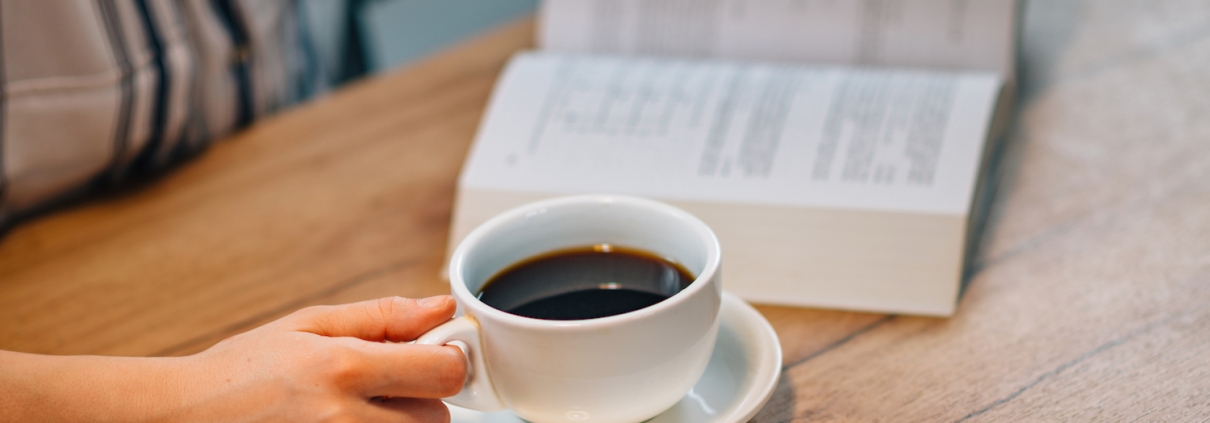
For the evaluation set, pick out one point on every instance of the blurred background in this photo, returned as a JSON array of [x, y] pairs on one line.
[[135, 87], [393, 33], [398, 32]]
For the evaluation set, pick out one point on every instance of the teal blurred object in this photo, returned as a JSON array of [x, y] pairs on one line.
[[396, 32]]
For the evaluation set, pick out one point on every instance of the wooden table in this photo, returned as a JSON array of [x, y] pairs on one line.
[[1090, 300]]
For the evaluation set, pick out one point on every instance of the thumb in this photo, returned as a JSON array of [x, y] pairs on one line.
[[395, 319]]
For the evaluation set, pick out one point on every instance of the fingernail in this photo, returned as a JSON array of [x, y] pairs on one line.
[[434, 302]]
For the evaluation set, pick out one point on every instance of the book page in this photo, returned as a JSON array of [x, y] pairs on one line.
[[944, 34], [898, 140]]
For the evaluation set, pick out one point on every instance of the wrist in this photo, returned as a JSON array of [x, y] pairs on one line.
[[90, 388]]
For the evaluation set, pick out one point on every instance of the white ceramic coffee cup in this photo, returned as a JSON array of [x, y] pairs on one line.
[[624, 368]]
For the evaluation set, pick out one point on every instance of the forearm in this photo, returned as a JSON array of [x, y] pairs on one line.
[[319, 364], [88, 388]]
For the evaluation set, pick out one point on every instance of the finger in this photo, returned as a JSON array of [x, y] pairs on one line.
[[407, 410], [395, 319], [410, 370]]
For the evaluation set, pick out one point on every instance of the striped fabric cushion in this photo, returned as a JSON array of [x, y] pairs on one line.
[[95, 91]]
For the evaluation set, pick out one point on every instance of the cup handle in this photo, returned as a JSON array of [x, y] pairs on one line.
[[463, 332]]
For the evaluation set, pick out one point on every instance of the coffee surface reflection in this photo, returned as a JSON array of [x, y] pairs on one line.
[[584, 283]]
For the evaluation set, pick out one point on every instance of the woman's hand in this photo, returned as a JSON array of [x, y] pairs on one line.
[[326, 363]]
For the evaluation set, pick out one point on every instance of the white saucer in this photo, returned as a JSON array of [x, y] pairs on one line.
[[739, 379]]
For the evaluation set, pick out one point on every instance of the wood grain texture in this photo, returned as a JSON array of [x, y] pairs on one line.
[[1090, 300]]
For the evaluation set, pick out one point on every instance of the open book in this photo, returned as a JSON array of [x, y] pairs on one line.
[[837, 148]]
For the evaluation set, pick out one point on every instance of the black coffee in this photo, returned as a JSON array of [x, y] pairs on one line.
[[584, 283]]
